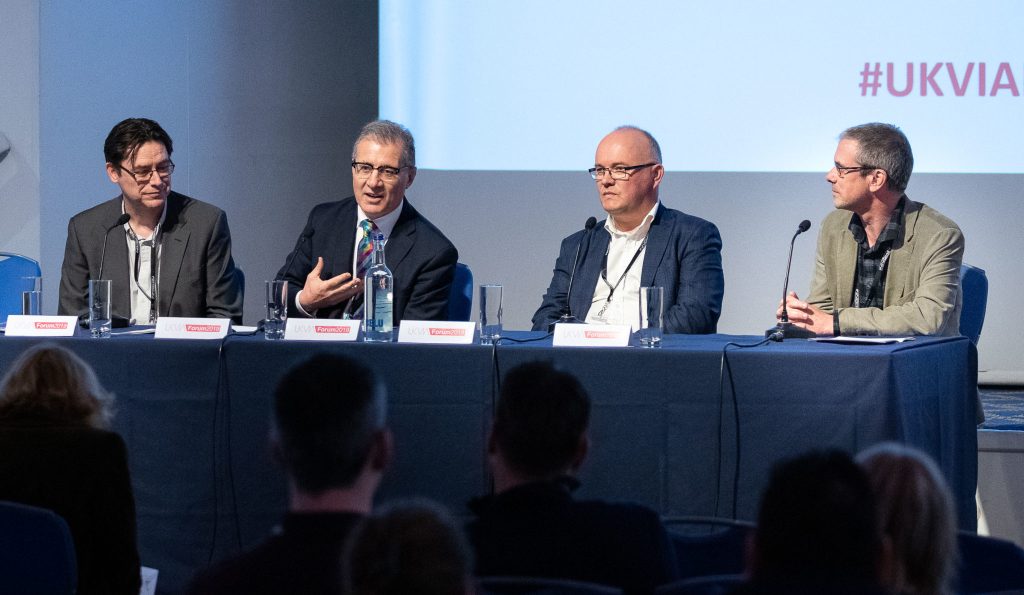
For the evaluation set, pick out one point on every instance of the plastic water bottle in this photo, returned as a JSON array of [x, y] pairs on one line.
[[379, 286]]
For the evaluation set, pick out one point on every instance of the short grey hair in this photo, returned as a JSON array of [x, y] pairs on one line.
[[653, 145], [886, 147], [387, 132]]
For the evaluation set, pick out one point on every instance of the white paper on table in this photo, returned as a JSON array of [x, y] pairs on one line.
[[862, 340]]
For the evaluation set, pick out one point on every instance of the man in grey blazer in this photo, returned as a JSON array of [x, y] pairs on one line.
[[166, 254], [641, 244], [885, 265]]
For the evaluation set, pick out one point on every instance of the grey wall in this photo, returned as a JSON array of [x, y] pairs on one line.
[[508, 226], [261, 98]]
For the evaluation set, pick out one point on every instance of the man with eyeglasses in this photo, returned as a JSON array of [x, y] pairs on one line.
[[325, 270], [885, 265], [165, 253], [641, 244]]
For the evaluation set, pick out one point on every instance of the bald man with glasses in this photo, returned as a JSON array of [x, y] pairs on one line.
[[325, 270], [642, 243]]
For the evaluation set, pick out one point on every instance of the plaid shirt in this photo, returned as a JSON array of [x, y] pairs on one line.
[[869, 285]]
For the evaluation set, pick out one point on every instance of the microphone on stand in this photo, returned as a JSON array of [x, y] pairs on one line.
[[567, 316], [115, 321], [785, 329]]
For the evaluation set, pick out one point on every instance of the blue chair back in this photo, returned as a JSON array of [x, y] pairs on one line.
[[708, 546], [989, 565], [974, 285], [13, 269], [37, 554], [460, 301]]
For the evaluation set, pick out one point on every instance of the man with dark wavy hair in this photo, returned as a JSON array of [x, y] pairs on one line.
[[166, 254]]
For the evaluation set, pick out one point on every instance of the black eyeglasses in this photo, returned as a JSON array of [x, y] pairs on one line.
[[386, 172], [619, 172], [843, 170], [163, 170]]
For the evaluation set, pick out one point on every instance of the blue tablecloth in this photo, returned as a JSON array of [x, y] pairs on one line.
[[664, 425]]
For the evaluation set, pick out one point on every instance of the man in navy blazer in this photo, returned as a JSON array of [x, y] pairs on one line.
[[641, 244], [322, 270]]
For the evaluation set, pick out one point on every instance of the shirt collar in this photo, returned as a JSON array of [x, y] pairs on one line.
[[636, 233], [159, 224], [385, 224], [890, 233]]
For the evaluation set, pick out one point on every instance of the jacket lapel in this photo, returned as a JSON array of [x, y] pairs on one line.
[[657, 243], [402, 237], [115, 266], [588, 271], [898, 267], [846, 269], [174, 236]]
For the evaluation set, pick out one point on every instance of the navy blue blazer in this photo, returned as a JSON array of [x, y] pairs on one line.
[[420, 257], [683, 255]]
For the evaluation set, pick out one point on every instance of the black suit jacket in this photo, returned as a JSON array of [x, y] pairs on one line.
[[197, 274], [80, 473], [420, 257], [539, 530], [683, 255]]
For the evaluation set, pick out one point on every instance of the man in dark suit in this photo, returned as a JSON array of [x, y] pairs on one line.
[[334, 444], [171, 256], [323, 271], [641, 244], [532, 525]]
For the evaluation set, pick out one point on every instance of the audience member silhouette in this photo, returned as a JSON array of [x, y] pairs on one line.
[[532, 525], [817, 530], [915, 513], [58, 454], [329, 434], [408, 547]]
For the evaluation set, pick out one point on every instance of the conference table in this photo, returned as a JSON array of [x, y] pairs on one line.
[[690, 429]]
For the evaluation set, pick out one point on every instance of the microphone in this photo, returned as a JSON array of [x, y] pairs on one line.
[[103, 253], [567, 316], [306, 234], [784, 329]]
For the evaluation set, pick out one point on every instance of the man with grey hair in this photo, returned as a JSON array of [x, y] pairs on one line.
[[885, 265], [325, 270], [641, 244], [332, 440]]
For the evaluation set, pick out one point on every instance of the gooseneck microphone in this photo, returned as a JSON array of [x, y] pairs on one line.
[[784, 329], [306, 234], [106, 236], [567, 316]]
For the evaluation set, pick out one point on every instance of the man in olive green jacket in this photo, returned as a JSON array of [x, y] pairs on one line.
[[885, 265]]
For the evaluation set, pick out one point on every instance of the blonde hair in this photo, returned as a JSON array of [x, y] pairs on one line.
[[915, 510], [51, 384]]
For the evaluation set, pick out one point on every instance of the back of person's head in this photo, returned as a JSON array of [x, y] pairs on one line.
[[410, 547], [541, 420], [915, 512], [817, 524], [53, 385], [328, 411]]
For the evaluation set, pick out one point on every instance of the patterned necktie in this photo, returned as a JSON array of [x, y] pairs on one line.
[[365, 259]]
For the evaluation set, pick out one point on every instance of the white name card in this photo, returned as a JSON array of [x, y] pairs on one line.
[[172, 327], [321, 329], [449, 333], [41, 326], [591, 335]]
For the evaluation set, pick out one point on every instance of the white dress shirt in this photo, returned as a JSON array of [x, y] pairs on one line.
[[624, 305]]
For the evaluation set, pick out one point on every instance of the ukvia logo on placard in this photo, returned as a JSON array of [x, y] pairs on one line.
[[420, 331]]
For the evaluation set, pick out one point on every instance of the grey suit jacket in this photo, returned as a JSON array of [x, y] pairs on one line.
[[683, 255], [922, 287], [197, 274]]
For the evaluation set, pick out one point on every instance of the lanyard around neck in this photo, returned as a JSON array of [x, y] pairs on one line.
[[604, 269]]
